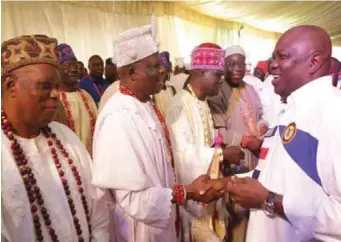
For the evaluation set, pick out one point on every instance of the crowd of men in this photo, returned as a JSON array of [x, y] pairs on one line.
[[207, 153]]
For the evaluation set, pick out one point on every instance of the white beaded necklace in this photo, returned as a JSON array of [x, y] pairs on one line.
[[205, 116]]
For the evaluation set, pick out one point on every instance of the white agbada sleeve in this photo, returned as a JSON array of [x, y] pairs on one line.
[[4, 232], [319, 213], [192, 159], [121, 159]]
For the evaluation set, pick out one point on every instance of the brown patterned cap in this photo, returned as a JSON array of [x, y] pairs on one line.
[[28, 50]]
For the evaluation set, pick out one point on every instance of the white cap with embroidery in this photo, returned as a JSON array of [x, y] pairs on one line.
[[135, 44], [234, 49]]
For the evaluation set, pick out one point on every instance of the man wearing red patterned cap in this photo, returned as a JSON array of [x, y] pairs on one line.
[[261, 70], [46, 190], [193, 136]]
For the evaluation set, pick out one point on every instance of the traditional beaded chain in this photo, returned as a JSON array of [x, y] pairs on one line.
[[208, 126], [247, 115], [159, 115], [33, 192], [180, 194], [124, 90], [69, 114]]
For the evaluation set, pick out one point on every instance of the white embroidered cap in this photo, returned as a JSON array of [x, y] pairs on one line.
[[134, 45], [180, 62], [234, 49]]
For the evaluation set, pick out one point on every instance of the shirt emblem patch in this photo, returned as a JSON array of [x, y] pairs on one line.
[[289, 133]]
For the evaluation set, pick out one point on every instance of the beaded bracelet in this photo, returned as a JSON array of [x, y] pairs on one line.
[[180, 194]]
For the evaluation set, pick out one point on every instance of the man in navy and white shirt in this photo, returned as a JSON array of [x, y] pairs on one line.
[[295, 191]]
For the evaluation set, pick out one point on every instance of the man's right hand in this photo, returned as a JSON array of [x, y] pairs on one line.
[[203, 189], [233, 154]]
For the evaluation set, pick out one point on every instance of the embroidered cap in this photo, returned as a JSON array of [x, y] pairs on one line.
[[233, 50], [208, 56], [135, 44], [263, 65], [164, 59], [27, 50], [65, 53]]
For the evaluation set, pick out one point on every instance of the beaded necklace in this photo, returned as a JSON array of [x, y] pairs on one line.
[[246, 110], [124, 90], [33, 191]]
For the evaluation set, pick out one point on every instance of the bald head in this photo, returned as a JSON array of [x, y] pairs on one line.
[[308, 39], [302, 54]]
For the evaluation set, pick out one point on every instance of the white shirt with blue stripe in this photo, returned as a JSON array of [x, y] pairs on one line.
[[303, 163]]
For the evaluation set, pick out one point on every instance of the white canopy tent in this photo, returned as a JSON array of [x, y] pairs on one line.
[[90, 27], [275, 16]]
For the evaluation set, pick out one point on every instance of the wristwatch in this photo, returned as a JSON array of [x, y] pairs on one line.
[[269, 205]]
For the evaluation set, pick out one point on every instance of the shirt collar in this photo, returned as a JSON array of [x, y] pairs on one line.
[[311, 91]]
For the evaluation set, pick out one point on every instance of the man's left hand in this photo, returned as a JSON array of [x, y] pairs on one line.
[[247, 192]]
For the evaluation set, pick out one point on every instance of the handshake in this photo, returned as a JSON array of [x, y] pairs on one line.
[[247, 192], [205, 190]]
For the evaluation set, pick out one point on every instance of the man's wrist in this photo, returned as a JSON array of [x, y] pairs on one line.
[[190, 192], [277, 201], [179, 194], [269, 204]]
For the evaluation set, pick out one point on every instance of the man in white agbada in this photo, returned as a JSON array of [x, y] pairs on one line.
[[132, 151], [193, 135], [161, 99], [297, 196], [47, 193]]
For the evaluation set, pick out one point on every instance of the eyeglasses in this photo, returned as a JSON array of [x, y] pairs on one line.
[[236, 65]]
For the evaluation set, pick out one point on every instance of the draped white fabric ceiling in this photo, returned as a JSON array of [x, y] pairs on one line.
[[276, 16], [90, 26]]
